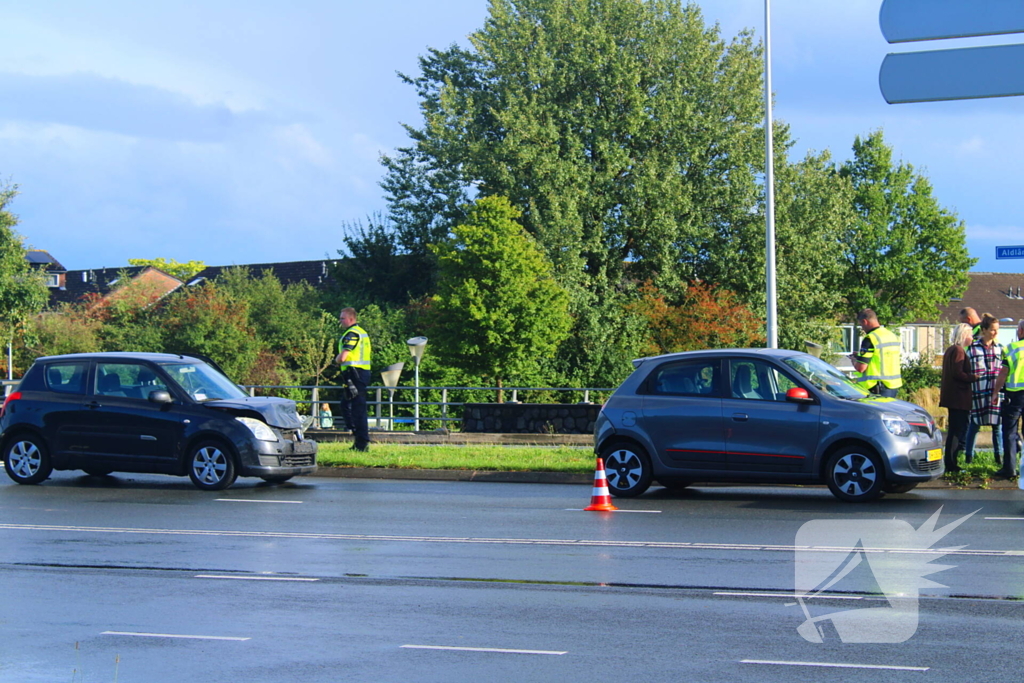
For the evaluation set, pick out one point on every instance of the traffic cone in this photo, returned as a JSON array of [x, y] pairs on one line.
[[600, 499]]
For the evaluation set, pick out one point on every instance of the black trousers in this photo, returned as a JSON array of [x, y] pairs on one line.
[[353, 408], [1009, 414], [956, 436]]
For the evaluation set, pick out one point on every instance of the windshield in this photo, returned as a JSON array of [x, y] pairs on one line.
[[826, 377], [202, 382]]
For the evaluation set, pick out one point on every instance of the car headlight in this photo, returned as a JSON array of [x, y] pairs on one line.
[[258, 428], [896, 424]]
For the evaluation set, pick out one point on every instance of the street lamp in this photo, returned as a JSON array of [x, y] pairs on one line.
[[769, 186], [417, 346], [390, 377]]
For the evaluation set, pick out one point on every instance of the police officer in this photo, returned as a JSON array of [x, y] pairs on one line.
[[878, 360], [969, 316], [354, 358], [1012, 378]]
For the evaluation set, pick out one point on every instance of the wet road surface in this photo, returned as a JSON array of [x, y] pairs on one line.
[[326, 579]]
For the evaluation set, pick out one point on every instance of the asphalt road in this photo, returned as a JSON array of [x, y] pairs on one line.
[[143, 578]]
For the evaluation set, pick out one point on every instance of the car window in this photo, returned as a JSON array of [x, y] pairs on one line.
[[67, 378], [758, 380], [128, 380], [692, 378], [202, 382]]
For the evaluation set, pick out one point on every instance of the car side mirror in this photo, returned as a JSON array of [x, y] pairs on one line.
[[160, 396], [799, 395]]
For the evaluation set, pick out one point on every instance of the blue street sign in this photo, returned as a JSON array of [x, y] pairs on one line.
[[909, 20], [962, 74], [1010, 252]]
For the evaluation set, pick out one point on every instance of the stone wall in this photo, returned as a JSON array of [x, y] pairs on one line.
[[530, 418]]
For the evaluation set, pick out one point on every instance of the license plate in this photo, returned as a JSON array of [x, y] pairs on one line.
[[934, 454]]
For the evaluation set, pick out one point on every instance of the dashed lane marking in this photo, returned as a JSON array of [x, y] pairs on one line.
[[255, 578], [650, 512], [168, 635], [244, 500], [484, 649], [836, 665]]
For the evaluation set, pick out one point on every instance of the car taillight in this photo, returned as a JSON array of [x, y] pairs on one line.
[[14, 396]]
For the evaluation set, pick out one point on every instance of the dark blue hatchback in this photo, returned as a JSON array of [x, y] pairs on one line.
[[147, 412]]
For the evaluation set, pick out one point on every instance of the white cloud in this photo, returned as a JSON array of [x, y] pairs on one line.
[[297, 138]]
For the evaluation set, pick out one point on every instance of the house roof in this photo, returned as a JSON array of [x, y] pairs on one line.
[[78, 283], [43, 259], [316, 273], [1001, 294]]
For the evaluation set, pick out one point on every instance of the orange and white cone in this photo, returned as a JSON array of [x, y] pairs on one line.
[[600, 499]]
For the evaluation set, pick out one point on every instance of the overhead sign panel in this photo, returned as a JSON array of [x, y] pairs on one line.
[[1010, 252], [966, 73], [909, 20]]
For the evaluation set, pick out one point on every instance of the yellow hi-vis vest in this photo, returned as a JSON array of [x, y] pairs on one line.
[[1013, 354], [359, 357], [884, 363]]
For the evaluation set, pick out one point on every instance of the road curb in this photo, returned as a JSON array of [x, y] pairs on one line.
[[564, 477]]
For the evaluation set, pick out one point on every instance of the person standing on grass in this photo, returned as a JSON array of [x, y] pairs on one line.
[[1011, 376], [354, 351], [985, 355], [955, 393]]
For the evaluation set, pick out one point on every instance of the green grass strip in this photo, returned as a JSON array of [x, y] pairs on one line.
[[473, 457]]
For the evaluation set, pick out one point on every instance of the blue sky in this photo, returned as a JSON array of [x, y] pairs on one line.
[[239, 132]]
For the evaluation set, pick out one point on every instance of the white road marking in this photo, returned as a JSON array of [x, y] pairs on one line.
[[1015, 519], [791, 595], [650, 512], [484, 649], [675, 545], [255, 578], [243, 500], [833, 665], [168, 635]]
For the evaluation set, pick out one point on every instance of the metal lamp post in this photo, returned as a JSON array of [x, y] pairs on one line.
[[417, 346], [769, 185], [390, 377]]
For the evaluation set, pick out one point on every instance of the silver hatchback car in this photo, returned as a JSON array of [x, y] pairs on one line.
[[761, 416]]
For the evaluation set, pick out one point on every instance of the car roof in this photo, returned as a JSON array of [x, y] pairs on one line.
[[773, 353], [123, 355]]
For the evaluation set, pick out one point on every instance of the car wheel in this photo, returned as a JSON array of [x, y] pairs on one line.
[[855, 474], [211, 467], [627, 468], [26, 460], [893, 487], [96, 471], [280, 479]]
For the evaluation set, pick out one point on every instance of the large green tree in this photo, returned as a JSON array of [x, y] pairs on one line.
[[23, 290], [498, 311], [628, 131], [813, 211], [905, 255]]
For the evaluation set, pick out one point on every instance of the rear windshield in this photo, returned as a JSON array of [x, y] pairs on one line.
[[202, 382]]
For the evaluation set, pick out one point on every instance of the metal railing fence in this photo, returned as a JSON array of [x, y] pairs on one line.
[[437, 405]]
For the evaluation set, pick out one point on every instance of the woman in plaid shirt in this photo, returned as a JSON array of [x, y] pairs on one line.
[[985, 355]]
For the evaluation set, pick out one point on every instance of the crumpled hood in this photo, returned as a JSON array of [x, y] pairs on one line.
[[276, 412]]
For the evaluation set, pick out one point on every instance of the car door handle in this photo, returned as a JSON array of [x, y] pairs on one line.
[[92, 405], [740, 417]]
